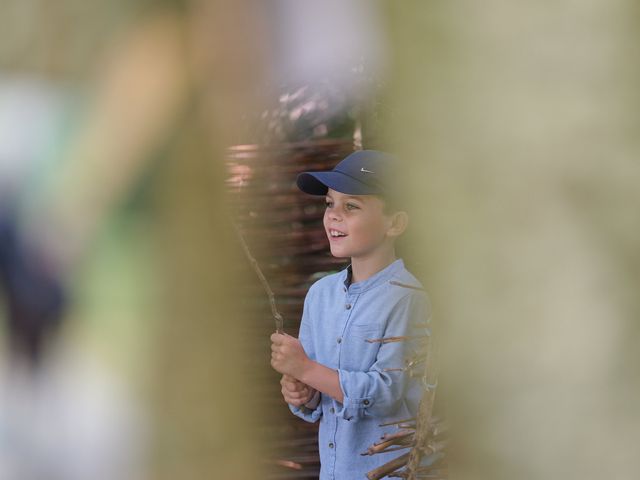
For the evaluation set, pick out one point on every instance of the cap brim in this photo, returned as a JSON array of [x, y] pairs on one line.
[[318, 183]]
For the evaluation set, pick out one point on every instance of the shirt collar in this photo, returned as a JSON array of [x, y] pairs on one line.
[[374, 280]]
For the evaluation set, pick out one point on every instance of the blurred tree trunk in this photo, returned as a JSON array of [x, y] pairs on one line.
[[521, 127], [207, 422], [205, 419]]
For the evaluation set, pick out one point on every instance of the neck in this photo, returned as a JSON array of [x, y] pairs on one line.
[[363, 268]]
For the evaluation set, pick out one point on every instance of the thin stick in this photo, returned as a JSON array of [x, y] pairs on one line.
[[406, 420], [254, 263], [425, 410], [287, 464], [388, 467], [382, 447], [394, 339], [413, 287]]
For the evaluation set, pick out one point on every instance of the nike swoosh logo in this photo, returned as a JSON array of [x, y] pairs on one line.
[[367, 171]]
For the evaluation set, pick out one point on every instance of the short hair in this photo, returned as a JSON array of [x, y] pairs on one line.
[[391, 204]]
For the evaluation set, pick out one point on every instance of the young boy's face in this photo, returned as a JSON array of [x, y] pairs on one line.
[[355, 225]]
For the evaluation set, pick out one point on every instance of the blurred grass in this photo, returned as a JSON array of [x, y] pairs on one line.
[[114, 313]]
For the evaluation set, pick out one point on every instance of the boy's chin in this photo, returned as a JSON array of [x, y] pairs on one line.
[[338, 254]]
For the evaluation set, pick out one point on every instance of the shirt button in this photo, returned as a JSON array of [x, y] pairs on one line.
[[332, 410], [347, 306], [339, 340], [366, 402], [330, 445]]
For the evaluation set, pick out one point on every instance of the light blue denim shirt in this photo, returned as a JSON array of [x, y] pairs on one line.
[[337, 319]]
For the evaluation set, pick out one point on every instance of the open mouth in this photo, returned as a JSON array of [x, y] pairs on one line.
[[335, 234]]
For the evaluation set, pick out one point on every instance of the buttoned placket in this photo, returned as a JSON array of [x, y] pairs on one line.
[[349, 302], [350, 299]]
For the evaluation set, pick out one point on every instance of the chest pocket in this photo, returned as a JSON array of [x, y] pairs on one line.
[[360, 354], [365, 330]]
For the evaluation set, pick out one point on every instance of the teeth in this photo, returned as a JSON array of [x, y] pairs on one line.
[[335, 233]]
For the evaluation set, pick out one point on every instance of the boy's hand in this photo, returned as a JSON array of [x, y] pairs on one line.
[[287, 355], [295, 392]]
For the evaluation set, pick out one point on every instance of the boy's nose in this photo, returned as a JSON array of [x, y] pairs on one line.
[[335, 216]]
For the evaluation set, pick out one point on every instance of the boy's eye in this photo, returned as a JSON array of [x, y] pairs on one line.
[[351, 206], [328, 204]]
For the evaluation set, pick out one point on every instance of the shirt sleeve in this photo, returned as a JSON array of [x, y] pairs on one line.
[[312, 411], [379, 393]]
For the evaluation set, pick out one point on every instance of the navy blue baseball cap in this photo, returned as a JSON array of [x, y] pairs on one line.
[[364, 172]]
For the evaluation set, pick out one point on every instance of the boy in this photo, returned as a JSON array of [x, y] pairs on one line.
[[332, 373]]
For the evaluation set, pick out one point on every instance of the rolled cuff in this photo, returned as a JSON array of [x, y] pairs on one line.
[[368, 394], [310, 415]]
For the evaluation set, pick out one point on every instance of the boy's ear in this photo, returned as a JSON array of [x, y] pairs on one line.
[[398, 224]]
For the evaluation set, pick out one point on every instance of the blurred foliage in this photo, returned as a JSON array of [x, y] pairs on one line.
[[323, 109], [65, 40]]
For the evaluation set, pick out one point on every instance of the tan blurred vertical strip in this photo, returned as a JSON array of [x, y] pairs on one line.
[[518, 119], [207, 425], [203, 419]]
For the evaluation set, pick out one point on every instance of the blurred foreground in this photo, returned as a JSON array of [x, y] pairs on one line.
[[135, 334]]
